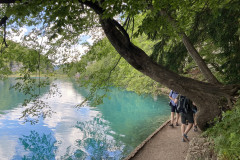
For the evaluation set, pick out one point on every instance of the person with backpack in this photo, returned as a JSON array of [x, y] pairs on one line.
[[184, 106], [173, 104]]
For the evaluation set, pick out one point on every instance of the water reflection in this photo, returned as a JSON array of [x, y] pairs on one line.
[[98, 140], [15, 137], [9, 99], [130, 114], [39, 146], [109, 131]]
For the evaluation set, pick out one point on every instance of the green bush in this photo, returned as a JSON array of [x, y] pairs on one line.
[[226, 134]]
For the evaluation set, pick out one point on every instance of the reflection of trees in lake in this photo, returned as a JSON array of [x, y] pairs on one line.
[[97, 141], [9, 97], [78, 154], [39, 146], [131, 115]]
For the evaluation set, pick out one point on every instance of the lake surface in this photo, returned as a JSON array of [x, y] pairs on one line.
[[109, 131]]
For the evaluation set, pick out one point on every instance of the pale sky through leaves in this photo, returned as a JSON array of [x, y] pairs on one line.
[[63, 54]]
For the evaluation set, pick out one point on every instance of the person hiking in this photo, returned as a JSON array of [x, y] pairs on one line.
[[173, 104], [184, 106]]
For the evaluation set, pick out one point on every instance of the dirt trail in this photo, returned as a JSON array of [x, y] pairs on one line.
[[164, 144]]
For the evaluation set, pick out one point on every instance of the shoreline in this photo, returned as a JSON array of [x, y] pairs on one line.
[[141, 145]]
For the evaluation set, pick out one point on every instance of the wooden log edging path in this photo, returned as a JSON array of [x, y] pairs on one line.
[[140, 146]]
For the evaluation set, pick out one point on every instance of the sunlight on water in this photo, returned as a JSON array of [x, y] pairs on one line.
[[110, 131]]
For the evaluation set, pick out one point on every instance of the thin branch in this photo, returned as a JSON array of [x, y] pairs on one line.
[[4, 42], [132, 27], [5, 34], [3, 20], [106, 80], [109, 75], [126, 21]]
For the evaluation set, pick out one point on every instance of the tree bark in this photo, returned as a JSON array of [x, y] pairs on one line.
[[198, 59]]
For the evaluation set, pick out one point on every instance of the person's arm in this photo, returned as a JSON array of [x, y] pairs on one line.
[[176, 100], [171, 98]]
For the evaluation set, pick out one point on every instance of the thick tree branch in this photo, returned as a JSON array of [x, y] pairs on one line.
[[95, 6], [8, 1], [123, 31]]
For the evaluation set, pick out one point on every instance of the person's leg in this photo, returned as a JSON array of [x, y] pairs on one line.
[[172, 119], [172, 115], [189, 126], [189, 117], [184, 133], [183, 126], [177, 118], [183, 120]]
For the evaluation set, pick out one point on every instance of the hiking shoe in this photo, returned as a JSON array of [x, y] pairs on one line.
[[195, 129], [185, 137], [171, 125], [183, 140], [177, 124]]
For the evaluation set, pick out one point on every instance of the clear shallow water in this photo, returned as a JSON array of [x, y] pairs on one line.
[[110, 131]]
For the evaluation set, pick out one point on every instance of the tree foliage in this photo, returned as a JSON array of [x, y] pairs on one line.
[[28, 60], [173, 23], [101, 66], [225, 134]]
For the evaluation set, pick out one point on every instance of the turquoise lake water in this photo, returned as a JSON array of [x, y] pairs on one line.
[[109, 131]]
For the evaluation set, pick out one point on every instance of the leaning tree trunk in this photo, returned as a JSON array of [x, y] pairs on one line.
[[192, 51], [198, 59], [205, 95]]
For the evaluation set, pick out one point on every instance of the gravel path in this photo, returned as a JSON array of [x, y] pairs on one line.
[[165, 144]]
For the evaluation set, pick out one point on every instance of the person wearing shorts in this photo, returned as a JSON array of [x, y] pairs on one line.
[[187, 123], [173, 104]]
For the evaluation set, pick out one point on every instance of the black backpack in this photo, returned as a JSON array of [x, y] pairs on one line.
[[184, 104]]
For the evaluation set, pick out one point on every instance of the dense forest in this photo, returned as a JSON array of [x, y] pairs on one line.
[[188, 46]]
